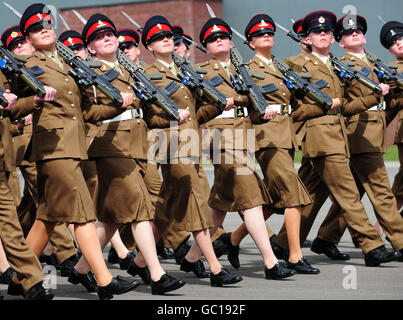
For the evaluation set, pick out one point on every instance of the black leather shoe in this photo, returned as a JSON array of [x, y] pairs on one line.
[[87, 280], [278, 272], [220, 246], [6, 276], [118, 285], [224, 277], [399, 255], [165, 284], [377, 256], [307, 244], [233, 251], [67, 266], [196, 267], [279, 252], [321, 246], [165, 253], [14, 289], [124, 263], [144, 273], [113, 257], [181, 251], [38, 292], [303, 267], [50, 260]]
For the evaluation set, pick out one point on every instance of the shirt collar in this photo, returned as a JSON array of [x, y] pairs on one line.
[[265, 60]]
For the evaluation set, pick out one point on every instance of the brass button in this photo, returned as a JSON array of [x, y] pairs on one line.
[[74, 118], [72, 105], [70, 93]]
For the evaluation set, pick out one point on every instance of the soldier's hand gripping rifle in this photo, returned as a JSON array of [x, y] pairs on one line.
[[342, 69], [15, 66], [243, 82], [383, 71], [192, 79]]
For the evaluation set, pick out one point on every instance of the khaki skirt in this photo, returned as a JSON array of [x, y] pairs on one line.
[[285, 187], [62, 192], [183, 198], [122, 194], [237, 186]]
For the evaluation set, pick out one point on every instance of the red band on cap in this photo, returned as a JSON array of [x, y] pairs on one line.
[[126, 38], [260, 26], [12, 36], [299, 29], [214, 28], [97, 25], [157, 28], [35, 18], [71, 41]]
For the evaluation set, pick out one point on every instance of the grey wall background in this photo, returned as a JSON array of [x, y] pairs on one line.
[[238, 13]]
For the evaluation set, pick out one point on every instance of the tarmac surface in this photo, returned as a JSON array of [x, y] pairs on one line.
[[338, 280]]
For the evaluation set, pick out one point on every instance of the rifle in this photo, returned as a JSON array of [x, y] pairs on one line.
[[192, 79], [86, 77], [343, 70], [383, 71], [81, 72], [144, 88], [297, 83], [243, 82], [11, 65], [349, 73], [147, 91]]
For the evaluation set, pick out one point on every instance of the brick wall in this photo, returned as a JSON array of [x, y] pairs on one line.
[[189, 14]]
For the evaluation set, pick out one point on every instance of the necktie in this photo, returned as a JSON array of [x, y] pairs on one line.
[[226, 68], [55, 59], [329, 64], [172, 69], [117, 68]]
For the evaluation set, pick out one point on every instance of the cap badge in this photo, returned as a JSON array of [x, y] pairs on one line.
[[263, 23], [159, 26], [70, 40], [215, 28], [14, 34], [392, 32], [100, 24], [350, 22], [321, 19], [39, 16], [121, 38]]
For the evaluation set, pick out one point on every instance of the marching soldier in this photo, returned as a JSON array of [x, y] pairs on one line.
[[228, 192], [58, 145], [120, 152], [187, 204], [391, 37], [62, 244], [367, 140], [19, 254], [325, 145], [276, 140]]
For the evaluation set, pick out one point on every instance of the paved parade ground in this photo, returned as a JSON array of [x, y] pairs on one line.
[[338, 280]]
